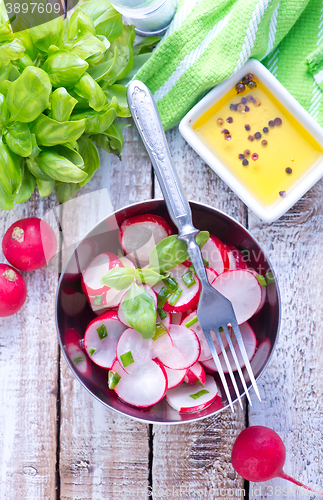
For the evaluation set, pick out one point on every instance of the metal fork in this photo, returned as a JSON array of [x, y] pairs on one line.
[[214, 312]]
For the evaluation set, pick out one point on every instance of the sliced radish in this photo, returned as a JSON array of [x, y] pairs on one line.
[[192, 322], [250, 343], [138, 235], [144, 387], [101, 338], [215, 253], [242, 288], [133, 350], [236, 258], [188, 297], [167, 321], [195, 374], [185, 350], [187, 398], [174, 377], [211, 274], [145, 288], [75, 352], [98, 267], [177, 318], [262, 282]]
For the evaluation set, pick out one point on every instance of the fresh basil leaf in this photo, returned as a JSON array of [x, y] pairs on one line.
[[5, 30], [71, 154], [148, 276], [146, 44], [36, 150], [88, 46], [140, 311], [111, 140], [90, 90], [65, 190], [35, 170], [120, 93], [62, 105], [45, 188], [10, 177], [28, 96], [64, 69], [4, 111], [11, 52], [96, 123], [49, 132], [18, 138], [45, 35], [124, 45], [119, 278], [138, 62], [202, 237], [28, 184], [171, 251], [80, 24], [107, 20], [90, 155], [59, 168], [102, 70]]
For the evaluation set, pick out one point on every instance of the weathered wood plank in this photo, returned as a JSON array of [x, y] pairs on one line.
[[28, 372], [196, 457], [292, 386], [102, 453]]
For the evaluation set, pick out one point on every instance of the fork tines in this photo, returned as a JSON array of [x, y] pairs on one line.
[[218, 365]]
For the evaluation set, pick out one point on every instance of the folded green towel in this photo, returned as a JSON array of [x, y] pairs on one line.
[[208, 40]]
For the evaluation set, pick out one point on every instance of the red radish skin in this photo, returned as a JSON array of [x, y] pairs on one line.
[[180, 398], [13, 291], [239, 262], [29, 244], [189, 296], [75, 351], [215, 253], [138, 235], [195, 374], [98, 267], [259, 454]]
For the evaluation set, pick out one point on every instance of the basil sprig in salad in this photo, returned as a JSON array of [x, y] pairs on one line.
[[61, 91], [138, 306]]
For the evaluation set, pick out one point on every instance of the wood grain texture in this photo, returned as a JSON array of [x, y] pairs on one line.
[[103, 456], [28, 389], [292, 386], [196, 456]]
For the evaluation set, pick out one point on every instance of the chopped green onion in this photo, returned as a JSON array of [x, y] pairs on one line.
[[162, 297], [174, 298], [199, 383], [92, 351], [127, 359], [171, 284], [270, 279], [188, 279], [191, 269], [162, 313], [102, 332], [199, 394], [206, 262], [113, 379], [191, 322], [142, 278], [261, 280], [160, 331], [78, 360], [98, 300]]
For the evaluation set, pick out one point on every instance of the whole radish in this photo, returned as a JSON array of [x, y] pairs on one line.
[[258, 454], [13, 291], [29, 244]]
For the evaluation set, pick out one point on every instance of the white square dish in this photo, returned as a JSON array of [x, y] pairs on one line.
[[280, 168]]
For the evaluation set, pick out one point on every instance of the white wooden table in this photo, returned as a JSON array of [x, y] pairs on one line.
[[57, 442]]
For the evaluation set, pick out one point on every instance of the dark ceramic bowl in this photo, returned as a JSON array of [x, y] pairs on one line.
[[73, 313]]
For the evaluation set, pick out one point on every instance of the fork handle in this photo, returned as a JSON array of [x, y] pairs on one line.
[[146, 117]]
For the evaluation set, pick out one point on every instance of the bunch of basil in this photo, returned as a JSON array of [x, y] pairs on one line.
[[58, 94]]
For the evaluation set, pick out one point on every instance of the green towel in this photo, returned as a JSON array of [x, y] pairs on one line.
[[209, 40]]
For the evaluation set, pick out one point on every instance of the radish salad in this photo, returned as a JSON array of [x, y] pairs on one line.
[[146, 333]]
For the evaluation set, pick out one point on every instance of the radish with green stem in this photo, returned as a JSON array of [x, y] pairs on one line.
[[259, 454], [13, 291]]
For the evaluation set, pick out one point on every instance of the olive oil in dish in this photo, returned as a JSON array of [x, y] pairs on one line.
[[259, 141]]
